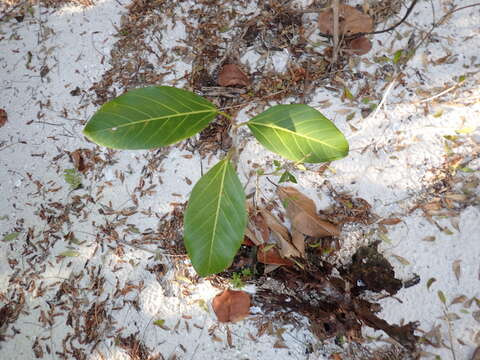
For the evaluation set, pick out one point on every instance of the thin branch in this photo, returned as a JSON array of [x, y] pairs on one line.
[[336, 29]]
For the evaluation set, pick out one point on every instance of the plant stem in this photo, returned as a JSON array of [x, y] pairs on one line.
[[225, 114], [236, 126]]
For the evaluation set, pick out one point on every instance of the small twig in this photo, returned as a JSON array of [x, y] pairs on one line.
[[336, 30], [450, 337], [385, 96], [440, 93]]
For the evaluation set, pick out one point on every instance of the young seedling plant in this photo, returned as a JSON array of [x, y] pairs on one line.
[[216, 217]]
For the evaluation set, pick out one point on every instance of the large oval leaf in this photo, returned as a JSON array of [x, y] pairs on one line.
[[215, 219], [300, 133], [149, 117]]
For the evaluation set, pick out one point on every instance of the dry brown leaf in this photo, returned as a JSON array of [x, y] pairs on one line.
[[352, 21], [279, 344], [257, 230], [476, 354], [302, 212], [298, 240], [358, 46], [231, 305], [457, 269], [390, 221], [281, 233], [3, 117], [271, 256], [83, 159], [458, 300], [232, 75]]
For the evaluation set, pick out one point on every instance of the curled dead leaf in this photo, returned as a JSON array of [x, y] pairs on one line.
[[302, 212], [232, 75], [281, 234], [83, 159], [352, 21], [231, 305]]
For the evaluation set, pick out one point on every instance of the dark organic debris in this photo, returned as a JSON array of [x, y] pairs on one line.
[[371, 271], [335, 305]]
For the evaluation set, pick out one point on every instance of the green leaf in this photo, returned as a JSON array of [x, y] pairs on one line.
[[287, 177], [149, 117], [159, 322], [215, 219], [73, 178], [300, 133], [11, 236], [397, 56]]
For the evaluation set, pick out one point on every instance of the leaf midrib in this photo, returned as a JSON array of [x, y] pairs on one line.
[[156, 118], [296, 134], [222, 183]]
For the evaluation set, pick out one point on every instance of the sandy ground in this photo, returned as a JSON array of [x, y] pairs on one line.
[[415, 158]]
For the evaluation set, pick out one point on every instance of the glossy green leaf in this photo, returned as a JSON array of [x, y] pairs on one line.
[[149, 117], [215, 219], [300, 133]]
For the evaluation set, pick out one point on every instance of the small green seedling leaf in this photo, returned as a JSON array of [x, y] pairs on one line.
[[72, 178], [397, 56], [300, 133], [215, 219], [150, 117], [348, 94], [287, 177], [11, 236], [161, 324]]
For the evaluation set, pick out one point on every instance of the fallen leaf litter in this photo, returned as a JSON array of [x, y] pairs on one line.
[[89, 320]]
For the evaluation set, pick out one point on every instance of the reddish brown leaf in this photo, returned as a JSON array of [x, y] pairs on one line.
[[232, 75], [271, 256], [352, 21], [3, 117], [358, 46], [231, 305], [302, 212]]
